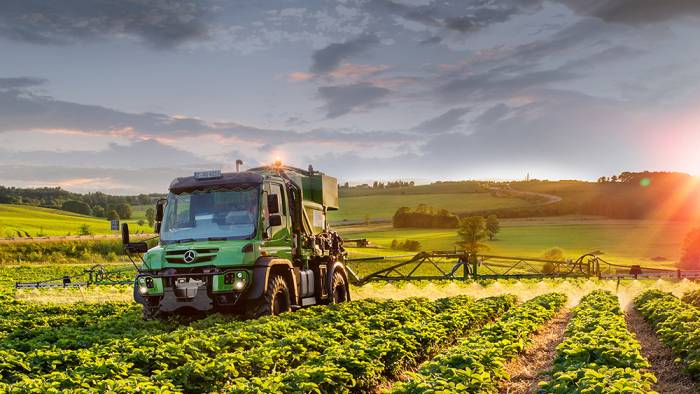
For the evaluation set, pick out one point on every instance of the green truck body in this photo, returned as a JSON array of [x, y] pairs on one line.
[[254, 242]]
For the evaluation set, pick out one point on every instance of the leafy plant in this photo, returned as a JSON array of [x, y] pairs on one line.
[[599, 354], [676, 323], [477, 363]]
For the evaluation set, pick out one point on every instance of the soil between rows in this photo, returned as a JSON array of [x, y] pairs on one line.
[[527, 370], [671, 377]]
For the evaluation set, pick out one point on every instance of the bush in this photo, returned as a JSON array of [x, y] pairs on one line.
[[424, 216], [77, 207], [408, 245]]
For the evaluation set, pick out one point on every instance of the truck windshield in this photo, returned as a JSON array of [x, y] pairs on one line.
[[210, 215]]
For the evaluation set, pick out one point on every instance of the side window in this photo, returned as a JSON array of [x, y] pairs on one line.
[[277, 190]]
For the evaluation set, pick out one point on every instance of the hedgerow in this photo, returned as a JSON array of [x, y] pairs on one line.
[[599, 354], [477, 363], [676, 323]]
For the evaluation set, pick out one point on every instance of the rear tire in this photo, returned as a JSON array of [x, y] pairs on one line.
[[340, 292], [276, 300]]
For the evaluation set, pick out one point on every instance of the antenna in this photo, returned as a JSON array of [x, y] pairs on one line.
[[239, 162]]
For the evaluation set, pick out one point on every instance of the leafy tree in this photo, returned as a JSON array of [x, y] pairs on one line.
[[141, 222], [472, 231], [77, 207], [124, 210], [554, 254], [493, 226], [99, 211], [151, 216], [113, 215], [691, 251]]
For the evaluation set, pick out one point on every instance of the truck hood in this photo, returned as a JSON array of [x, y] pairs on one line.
[[227, 253]]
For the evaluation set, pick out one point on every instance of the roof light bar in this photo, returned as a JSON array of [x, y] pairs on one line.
[[211, 174]]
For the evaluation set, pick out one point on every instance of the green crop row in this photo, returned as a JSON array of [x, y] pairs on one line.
[[367, 361], [201, 357], [692, 298], [477, 363], [676, 323], [599, 354]]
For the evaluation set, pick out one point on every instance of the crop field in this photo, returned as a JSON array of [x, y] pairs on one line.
[[447, 342], [383, 206], [651, 243], [52, 222]]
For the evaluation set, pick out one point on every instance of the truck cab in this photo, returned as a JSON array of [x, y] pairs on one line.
[[255, 242]]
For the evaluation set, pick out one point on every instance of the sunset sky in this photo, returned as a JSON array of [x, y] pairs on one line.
[[122, 96]]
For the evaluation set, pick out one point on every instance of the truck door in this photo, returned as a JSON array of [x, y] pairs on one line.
[[280, 241]]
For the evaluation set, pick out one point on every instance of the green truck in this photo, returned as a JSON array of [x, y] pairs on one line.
[[255, 242]]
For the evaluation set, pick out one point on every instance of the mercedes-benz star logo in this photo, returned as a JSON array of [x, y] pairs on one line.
[[190, 256]]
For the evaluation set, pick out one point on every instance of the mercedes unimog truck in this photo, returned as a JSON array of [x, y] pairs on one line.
[[255, 242]]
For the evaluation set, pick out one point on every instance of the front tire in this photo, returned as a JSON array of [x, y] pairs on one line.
[[276, 300], [340, 291]]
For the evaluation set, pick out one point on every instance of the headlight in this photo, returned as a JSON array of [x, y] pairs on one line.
[[143, 289]]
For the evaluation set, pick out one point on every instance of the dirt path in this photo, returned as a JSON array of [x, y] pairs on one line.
[[671, 378], [526, 371]]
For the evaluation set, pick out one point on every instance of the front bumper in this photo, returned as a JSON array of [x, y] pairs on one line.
[[200, 290]]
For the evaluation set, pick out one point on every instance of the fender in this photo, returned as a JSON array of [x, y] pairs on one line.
[[261, 276], [337, 266]]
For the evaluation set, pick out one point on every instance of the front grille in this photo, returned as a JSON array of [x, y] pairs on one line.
[[203, 255]]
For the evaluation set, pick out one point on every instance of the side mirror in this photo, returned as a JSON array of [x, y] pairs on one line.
[[159, 209], [275, 220], [273, 205], [125, 233]]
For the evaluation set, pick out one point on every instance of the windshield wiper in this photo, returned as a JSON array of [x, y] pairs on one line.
[[181, 241]]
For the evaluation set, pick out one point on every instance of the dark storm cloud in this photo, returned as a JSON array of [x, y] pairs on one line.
[[343, 99], [442, 123], [328, 59], [636, 11], [159, 23]]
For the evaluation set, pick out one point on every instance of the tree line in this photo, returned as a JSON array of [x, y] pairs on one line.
[[96, 204]]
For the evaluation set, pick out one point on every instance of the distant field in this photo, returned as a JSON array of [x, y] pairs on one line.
[[620, 241], [51, 222], [384, 206]]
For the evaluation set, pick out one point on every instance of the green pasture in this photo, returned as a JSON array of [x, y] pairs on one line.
[[52, 222], [649, 243], [384, 206]]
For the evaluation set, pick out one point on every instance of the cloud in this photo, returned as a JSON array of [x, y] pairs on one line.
[[343, 99], [431, 40], [329, 58], [442, 123], [636, 12], [138, 154], [160, 24], [458, 16], [20, 83], [495, 84], [20, 109]]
